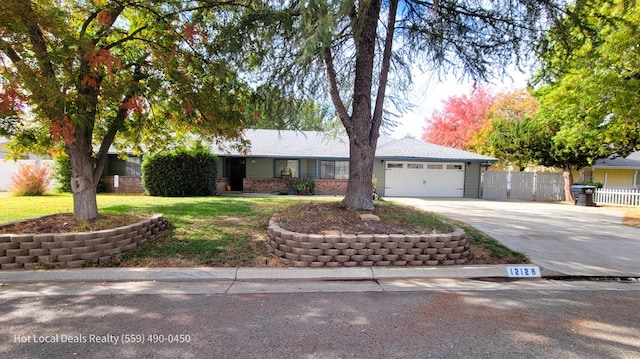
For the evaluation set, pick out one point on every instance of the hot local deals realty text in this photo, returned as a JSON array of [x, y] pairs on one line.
[[64, 338]]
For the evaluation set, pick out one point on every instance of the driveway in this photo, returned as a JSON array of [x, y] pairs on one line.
[[560, 238]]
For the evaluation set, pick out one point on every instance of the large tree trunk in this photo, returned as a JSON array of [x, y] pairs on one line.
[[568, 181], [83, 179], [363, 124], [360, 186]]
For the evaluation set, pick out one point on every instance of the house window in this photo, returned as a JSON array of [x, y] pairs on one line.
[[127, 167], [291, 167], [334, 169], [454, 167], [395, 165], [415, 166], [434, 167]]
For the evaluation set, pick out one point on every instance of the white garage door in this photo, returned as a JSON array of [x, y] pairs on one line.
[[424, 179]]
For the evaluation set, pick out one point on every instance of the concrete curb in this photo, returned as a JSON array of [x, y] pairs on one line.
[[249, 274]]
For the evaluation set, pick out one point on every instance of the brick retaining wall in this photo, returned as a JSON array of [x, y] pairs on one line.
[[317, 250], [31, 251]]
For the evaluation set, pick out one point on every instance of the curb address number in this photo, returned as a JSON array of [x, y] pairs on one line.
[[523, 271]]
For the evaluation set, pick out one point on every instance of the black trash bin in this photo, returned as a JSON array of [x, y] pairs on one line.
[[583, 195]]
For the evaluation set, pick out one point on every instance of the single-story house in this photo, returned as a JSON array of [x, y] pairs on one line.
[[619, 172], [403, 167]]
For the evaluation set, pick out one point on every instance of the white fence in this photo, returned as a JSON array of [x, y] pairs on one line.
[[523, 186], [617, 197]]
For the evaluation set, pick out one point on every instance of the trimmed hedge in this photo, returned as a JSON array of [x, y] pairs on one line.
[[180, 173]]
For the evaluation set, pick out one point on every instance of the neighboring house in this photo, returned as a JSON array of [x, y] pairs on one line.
[[618, 172], [403, 167]]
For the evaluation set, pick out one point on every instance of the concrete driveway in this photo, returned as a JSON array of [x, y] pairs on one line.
[[561, 238]]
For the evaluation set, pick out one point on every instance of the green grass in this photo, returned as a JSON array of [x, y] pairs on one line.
[[215, 231], [423, 221], [13, 208]]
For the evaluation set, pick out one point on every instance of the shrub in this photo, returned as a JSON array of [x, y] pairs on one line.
[[180, 173], [305, 185], [30, 180], [62, 167], [587, 183]]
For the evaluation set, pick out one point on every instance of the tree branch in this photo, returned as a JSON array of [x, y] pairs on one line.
[[10, 52], [109, 137], [333, 88], [37, 41], [376, 119]]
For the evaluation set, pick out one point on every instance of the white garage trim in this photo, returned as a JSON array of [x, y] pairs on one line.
[[424, 179]]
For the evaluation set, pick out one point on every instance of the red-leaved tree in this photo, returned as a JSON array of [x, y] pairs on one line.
[[460, 117]]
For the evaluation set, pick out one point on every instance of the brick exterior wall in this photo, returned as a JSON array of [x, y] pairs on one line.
[[129, 184], [317, 250], [32, 251], [221, 184], [126, 184], [264, 185], [331, 187], [277, 185]]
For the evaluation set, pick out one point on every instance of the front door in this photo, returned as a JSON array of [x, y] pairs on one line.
[[237, 172]]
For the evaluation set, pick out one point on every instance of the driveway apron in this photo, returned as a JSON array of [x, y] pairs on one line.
[[561, 238]]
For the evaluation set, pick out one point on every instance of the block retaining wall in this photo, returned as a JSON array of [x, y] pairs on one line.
[[318, 250], [31, 251]]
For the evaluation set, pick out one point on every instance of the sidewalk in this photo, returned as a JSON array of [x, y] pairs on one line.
[[249, 274]]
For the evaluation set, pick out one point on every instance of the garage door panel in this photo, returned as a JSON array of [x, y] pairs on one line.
[[424, 179]]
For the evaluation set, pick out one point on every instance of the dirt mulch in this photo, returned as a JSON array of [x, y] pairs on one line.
[[66, 223], [332, 218]]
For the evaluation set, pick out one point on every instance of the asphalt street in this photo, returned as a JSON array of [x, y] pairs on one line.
[[430, 312], [445, 319]]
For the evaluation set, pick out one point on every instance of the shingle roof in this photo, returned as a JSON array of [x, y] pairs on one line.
[[411, 148], [631, 161], [313, 144]]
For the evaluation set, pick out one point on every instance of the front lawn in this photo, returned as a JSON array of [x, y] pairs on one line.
[[218, 231]]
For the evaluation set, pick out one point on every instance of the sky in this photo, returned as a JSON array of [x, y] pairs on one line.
[[429, 93]]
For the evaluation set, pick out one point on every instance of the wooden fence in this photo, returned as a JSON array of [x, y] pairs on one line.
[[617, 197]]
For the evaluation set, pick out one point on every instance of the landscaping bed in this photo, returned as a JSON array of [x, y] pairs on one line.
[[232, 231]]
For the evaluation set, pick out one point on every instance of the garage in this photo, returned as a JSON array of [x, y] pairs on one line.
[[424, 179]]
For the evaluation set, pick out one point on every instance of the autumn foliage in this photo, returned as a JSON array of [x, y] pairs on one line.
[[31, 180], [10, 102], [455, 124]]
